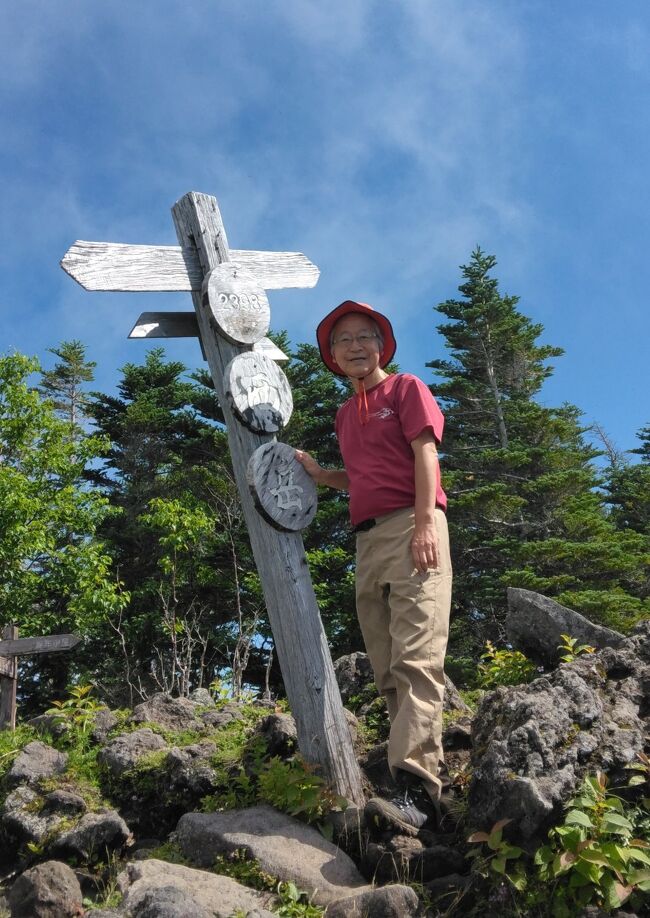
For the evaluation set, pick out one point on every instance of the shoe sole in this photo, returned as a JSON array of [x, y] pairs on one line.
[[376, 814]]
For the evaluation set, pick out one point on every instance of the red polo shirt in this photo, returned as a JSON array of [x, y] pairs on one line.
[[376, 447]]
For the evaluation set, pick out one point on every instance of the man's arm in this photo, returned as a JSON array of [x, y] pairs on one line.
[[424, 544], [333, 478]]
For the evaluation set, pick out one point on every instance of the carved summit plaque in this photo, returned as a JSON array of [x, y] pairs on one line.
[[259, 392], [283, 492], [239, 305]]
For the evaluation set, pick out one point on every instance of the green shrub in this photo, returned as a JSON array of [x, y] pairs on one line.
[[504, 667]]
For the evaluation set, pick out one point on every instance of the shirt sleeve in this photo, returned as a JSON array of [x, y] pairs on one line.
[[418, 409]]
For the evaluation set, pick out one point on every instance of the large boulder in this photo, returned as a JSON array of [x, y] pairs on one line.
[[93, 837], [122, 753], [534, 744], [190, 770], [29, 817], [386, 902], [282, 846], [36, 761], [174, 714], [535, 625], [353, 673], [49, 890], [158, 889]]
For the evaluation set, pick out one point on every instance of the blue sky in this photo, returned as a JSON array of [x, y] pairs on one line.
[[383, 138]]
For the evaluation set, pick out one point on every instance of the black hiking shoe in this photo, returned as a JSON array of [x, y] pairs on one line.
[[405, 813]]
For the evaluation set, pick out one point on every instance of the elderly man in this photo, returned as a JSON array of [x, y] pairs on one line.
[[387, 432]]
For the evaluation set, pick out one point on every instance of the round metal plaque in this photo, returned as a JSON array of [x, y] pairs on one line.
[[239, 306], [283, 492], [259, 392]]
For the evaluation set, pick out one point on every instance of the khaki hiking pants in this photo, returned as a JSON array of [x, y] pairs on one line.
[[404, 618]]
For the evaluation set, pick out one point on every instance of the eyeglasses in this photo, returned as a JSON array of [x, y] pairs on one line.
[[363, 339]]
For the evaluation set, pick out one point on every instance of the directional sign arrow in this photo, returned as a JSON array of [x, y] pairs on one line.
[[185, 325], [115, 266], [46, 644]]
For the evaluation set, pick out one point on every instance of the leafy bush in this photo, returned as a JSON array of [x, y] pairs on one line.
[[504, 667]]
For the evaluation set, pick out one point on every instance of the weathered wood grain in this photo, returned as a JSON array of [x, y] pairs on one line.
[[239, 306], [259, 392], [301, 645], [8, 683], [46, 644], [283, 492], [116, 266]]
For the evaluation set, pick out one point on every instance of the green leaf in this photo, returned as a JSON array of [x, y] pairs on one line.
[[577, 817], [615, 823]]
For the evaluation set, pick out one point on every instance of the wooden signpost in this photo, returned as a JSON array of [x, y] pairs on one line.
[[11, 647], [278, 499]]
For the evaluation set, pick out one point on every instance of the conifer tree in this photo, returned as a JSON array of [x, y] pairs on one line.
[[63, 384], [523, 507], [168, 471]]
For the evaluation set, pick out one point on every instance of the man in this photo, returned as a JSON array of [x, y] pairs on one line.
[[387, 434]]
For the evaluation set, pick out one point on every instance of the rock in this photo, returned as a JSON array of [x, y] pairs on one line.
[[169, 902], [353, 673], [374, 766], [279, 733], [458, 735], [189, 769], [21, 817], [283, 847], [534, 744], [65, 802], [221, 716], [49, 890], [49, 723], [93, 837], [402, 858], [202, 697], [103, 723], [172, 713], [349, 829], [148, 883], [386, 902], [453, 700], [124, 751], [36, 761], [535, 625]]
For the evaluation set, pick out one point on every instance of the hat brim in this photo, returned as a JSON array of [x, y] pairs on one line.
[[324, 333]]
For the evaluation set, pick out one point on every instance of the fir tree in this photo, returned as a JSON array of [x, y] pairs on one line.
[[520, 477], [63, 384]]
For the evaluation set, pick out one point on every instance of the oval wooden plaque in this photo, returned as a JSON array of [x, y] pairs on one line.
[[283, 492], [239, 306], [259, 392]]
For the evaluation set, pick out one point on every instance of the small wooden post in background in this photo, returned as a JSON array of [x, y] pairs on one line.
[[8, 683]]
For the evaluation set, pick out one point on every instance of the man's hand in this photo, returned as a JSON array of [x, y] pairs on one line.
[[310, 465], [333, 478], [424, 547]]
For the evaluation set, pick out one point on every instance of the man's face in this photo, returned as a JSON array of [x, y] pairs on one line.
[[356, 358]]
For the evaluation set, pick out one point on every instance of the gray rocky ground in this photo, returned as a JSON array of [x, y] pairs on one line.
[[530, 746]]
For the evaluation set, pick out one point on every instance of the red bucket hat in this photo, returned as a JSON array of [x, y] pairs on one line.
[[324, 333]]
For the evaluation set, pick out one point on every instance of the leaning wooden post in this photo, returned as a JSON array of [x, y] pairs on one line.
[[222, 282], [8, 683], [300, 642]]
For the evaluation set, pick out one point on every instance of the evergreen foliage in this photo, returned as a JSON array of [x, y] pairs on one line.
[[55, 573], [179, 544], [524, 507], [63, 384]]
